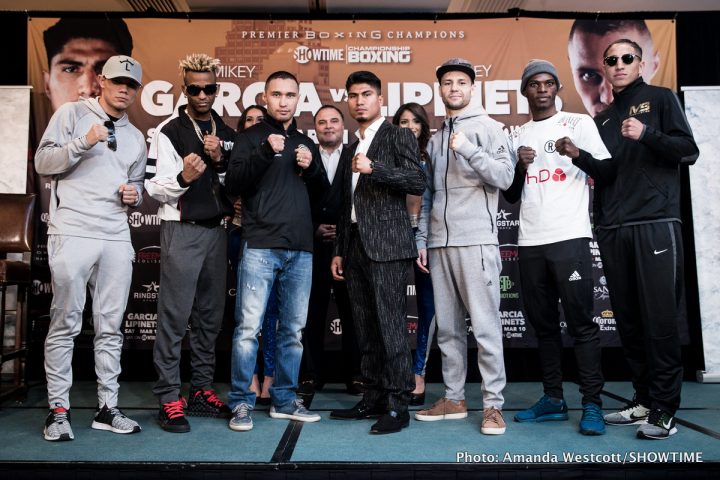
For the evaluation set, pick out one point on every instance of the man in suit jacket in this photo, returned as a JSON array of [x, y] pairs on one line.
[[325, 207], [375, 244]]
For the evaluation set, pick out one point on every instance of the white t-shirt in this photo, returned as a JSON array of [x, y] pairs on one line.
[[556, 194]]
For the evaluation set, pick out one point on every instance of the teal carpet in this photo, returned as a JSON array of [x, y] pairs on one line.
[[349, 441]]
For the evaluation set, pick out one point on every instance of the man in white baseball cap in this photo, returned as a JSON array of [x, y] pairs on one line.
[[96, 158]]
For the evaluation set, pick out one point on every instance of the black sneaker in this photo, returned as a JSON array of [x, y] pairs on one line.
[[172, 417], [114, 420], [57, 425], [205, 403], [660, 425]]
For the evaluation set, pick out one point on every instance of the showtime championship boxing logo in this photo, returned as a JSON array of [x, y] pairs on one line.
[[353, 54]]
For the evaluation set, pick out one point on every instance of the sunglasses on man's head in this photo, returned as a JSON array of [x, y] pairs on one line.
[[194, 90], [627, 59], [111, 140]]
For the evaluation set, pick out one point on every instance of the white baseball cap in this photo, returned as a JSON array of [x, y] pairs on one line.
[[122, 66]]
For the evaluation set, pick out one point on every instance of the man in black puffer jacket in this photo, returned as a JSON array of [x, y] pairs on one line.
[[637, 217]]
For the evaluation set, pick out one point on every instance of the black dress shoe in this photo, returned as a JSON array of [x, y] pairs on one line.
[[355, 387], [358, 412], [391, 422], [417, 399]]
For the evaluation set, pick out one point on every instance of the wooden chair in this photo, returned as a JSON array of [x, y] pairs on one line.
[[16, 236]]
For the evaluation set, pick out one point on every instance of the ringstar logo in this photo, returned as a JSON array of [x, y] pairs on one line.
[[501, 220], [150, 293]]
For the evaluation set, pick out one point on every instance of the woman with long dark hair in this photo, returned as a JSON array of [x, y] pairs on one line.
[[413, 116], [252, 115]]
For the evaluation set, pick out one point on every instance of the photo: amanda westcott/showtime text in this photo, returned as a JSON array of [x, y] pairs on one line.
[[581, 457]]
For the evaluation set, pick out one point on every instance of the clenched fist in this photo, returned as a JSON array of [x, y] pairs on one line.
[[565, 146], [211, 146], [277, 142], [361, 164], [303, 156], [193, 167], [457, 140], [632, 128], [526, 156], [97, 133], [128, 194]]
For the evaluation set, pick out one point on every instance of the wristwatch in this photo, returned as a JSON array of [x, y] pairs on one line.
[[372, 165]]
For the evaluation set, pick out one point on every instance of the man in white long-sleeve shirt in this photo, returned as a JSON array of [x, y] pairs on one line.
[[97, 162]]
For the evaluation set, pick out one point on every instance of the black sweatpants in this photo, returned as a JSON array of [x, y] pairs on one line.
[[313, 360], [644, 269], [563, 270]]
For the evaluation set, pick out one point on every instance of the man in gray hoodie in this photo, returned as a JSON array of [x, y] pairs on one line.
[[97, 162], [470, 164]]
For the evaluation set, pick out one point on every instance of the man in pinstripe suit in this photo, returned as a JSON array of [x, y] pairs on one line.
[[374, 249]]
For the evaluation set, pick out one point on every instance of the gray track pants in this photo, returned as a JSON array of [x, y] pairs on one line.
[[106, 267], [467, 279]]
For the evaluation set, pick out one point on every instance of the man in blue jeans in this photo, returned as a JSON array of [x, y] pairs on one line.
[[272, 166]]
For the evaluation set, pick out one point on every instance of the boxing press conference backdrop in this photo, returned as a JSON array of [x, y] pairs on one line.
[[404, 54]]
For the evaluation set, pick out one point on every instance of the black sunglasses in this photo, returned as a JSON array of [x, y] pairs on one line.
[[111, 140], [194, 90], [627, 59]]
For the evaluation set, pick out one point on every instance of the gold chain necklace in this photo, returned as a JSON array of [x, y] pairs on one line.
[[197, 128]]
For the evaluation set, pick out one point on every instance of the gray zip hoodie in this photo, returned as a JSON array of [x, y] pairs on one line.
[[84, 200], [460, 204]]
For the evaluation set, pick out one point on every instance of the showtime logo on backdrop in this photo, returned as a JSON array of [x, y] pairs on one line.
[[137, 219], [40, 288], [303, 54]]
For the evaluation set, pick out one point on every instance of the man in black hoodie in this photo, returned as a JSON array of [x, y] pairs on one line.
[[272, 166], [191, 151], [637, 217]]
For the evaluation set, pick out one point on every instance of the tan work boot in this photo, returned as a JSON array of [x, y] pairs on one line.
[[493, 422], [443, 409]]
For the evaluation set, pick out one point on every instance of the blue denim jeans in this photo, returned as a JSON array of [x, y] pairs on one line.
[[426, 317], [291, 271]]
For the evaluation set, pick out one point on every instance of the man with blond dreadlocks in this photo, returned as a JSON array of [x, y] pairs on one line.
[[191, 153]]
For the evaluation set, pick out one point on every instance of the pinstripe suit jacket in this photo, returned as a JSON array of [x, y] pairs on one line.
[[382, 218]]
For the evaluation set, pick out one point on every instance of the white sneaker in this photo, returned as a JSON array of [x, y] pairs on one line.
[[632, 414]]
